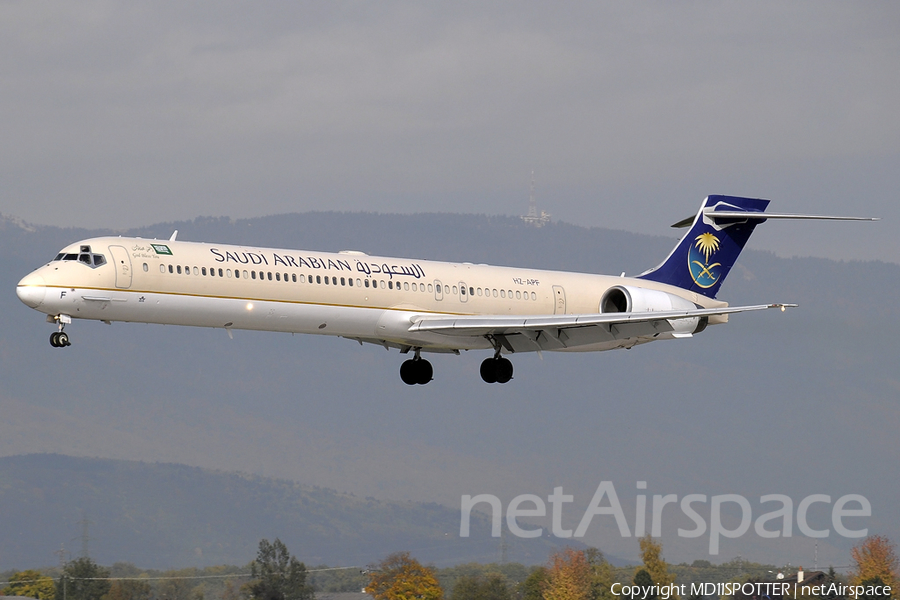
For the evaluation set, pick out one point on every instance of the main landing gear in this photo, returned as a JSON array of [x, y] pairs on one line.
[[416, 370], [496, 370]]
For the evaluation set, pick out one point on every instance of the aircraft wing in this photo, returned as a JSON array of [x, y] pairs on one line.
[[521, 333]]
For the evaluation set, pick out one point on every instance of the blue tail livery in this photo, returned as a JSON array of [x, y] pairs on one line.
[[704, 256]]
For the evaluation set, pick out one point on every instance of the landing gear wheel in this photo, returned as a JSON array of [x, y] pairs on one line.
[[59, 339], [504, 370], [496, 370], [424, 371], [415, 371], [489, 370], [408, 372]]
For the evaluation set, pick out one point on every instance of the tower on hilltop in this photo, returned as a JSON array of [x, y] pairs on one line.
[[532, 218]]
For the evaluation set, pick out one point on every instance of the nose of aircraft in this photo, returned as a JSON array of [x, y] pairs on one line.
[[31, 290]]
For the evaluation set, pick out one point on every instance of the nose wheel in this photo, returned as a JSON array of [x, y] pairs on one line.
[[416, 371], [59, 339], [496, 370]]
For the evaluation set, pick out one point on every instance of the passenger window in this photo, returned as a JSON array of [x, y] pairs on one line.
[[244, 274], [533, 296], [303, 279], [367, 283], [342, 281], [146, 267], [382, 284], [502, 294], [278, 276], [237, 274], [495, 293], [162, 268], [220, 273], [454, 290], [334, 280], [294, 277], [518, 295], [170, 268], [285, 277], [430, 288], [227, 273], [253, 274], [319, 279], [178, 268], [270, 275], [203, 270], [471, 291], [358, 282], [406, 286]]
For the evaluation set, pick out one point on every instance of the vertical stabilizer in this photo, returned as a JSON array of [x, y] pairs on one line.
[[704, 256]]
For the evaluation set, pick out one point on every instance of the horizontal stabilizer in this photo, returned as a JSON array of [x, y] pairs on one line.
[[716, 215]]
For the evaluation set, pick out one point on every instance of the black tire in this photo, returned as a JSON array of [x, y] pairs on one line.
[[408, 372], [54, 339], [489, 370], [504, 370], [63, 339], [424, 371]]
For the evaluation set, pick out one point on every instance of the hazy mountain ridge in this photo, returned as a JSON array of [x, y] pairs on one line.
[[742, 408], [170, 515]]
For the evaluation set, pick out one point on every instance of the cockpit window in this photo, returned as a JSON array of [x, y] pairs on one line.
[[86, 257]]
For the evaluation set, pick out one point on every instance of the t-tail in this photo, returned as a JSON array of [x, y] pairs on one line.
[[703, 258]]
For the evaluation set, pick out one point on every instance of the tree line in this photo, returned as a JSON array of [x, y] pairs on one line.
[[569, 574]]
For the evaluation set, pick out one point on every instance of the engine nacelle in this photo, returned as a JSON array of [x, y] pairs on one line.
[[626, 298]]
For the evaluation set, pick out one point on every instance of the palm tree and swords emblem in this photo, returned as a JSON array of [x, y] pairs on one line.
[[701, 271]]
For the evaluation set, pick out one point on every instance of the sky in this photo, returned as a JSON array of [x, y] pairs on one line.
[[117, 114]]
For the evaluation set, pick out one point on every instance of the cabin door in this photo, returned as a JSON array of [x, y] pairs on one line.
[[123, 266], [559, 300]]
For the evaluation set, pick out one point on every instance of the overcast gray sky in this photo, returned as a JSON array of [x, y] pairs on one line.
[[116, 114]]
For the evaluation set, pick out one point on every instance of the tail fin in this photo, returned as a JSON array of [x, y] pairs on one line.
[[704, 256]]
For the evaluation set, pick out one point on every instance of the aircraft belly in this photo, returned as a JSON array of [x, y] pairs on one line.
[[262, 315]]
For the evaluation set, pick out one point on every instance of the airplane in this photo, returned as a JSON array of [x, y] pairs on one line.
[[412, 305]]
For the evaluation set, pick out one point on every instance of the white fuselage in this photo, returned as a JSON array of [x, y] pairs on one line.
[[349, 294]]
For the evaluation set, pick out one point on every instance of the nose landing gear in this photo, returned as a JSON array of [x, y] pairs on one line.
[[416, 370], [60, 339]]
